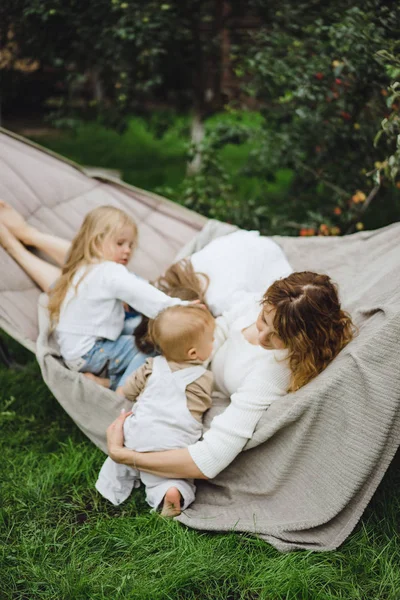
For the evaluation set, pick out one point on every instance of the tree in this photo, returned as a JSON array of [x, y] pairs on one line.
[[131, 51], [319, 71]]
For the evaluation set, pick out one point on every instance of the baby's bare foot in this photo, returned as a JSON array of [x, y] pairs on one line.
[[103, 381], [16, 223], [172, 503]]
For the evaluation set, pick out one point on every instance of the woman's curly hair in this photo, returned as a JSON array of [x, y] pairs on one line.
[[309, 321]]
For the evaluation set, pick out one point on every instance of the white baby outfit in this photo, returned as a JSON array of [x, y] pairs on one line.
[[160, 421]]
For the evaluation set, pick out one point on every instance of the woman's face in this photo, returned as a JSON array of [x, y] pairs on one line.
[[267, 336]]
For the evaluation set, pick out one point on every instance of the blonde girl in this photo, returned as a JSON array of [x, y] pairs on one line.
[[86, 302]]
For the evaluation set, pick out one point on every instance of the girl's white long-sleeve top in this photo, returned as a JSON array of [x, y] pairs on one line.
[[252, 376], [93, 307]]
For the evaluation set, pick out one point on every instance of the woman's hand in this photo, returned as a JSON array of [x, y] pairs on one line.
[[169, 463], [115, 435]]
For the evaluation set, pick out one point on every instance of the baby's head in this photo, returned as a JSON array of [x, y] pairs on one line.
[[183, 333], [106, 233]]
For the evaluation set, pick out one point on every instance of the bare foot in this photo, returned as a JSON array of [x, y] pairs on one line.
[[16, 223], [103, 381], [172, 503]]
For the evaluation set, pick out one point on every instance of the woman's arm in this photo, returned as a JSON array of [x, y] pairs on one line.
[[169, 463], [231, 430], [226, 437]]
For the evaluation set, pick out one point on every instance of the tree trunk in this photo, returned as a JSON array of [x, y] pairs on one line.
[[207, 75], [97, 86], [197, 133]]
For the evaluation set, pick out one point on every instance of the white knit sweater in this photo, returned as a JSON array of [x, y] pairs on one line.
[[253, 376]]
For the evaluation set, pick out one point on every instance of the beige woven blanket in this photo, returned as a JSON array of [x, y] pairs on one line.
[[318, 455]]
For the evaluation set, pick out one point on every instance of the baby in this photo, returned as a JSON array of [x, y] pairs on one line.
[[171, 392]]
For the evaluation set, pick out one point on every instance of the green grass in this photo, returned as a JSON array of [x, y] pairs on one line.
[[144, 159], [61, 540]]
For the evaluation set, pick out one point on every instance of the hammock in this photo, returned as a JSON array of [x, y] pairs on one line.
[[318, 455]]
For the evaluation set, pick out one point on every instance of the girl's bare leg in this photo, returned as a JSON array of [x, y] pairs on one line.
[[42, 273], [55, 247]]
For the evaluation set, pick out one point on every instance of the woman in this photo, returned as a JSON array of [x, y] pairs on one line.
[[298, 332]]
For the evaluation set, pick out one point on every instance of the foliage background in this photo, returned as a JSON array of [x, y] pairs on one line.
[[319, 74]]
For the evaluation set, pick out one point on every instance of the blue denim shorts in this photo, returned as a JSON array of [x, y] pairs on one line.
[[116, 359]]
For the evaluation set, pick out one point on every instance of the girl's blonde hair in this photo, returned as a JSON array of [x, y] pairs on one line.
[[177, 329], [99, 225], [310, 322]]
